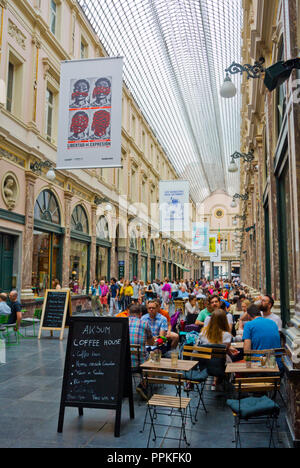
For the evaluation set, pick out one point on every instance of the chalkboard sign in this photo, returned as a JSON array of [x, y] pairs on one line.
[[56, 310], [97, 366]]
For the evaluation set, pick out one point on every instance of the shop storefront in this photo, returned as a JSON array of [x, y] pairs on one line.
[[144, 260], [133, 256], [79, 264], [47, 243], [103, 250], [153, 261]]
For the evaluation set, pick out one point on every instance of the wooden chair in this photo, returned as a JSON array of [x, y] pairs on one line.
[[157, 403], [254, 410], [179, 304], [212, 361]]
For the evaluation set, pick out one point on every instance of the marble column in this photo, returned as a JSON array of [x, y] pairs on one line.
[[27, 257], [67, 240]]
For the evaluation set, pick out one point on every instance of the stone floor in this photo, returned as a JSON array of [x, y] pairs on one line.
[[30, 388]]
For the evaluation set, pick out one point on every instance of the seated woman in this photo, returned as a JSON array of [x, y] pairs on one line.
[[191, 310], [217, 332]]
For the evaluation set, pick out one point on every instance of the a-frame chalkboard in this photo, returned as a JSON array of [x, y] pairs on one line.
[[56, 312], [97, 370]]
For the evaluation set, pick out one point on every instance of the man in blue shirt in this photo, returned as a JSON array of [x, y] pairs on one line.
[[4, 307], [156, 321], [260, 333], [182, 293]]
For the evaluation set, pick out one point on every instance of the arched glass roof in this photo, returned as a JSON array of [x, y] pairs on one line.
[[175, 53]]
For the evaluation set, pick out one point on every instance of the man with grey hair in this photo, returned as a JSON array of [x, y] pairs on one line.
[[16, 310]]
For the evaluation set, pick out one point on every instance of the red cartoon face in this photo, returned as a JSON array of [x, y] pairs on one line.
[[80, 122], [100, 122], [101, 89]]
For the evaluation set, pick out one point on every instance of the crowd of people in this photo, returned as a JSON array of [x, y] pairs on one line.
[[228, 314]]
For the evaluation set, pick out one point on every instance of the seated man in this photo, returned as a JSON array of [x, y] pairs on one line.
[[16, 314], [139, 333], [156, 321], [260, 333], [4, 307], [182, 293], [266, 305], [171, 336]]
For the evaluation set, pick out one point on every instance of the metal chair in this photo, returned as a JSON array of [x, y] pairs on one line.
[[157, 403], [254, 410]]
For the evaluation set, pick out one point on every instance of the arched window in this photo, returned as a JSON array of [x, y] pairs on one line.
[[46, 207], [169, 254], [164, 252], [143, 245], [79, 220], [102, 231], [152, 248], [133, 241]]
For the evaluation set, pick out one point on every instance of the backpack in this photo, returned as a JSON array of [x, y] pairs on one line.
[[175, 320]]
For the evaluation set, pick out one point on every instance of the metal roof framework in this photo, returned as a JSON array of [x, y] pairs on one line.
[[175, 53]]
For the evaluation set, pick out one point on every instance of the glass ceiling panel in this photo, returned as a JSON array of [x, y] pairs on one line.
[[175, 53]]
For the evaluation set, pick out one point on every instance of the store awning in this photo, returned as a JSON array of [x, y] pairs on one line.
[[181, 266]]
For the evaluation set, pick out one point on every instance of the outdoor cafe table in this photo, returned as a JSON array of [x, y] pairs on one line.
[[240, 367], [166, 364]]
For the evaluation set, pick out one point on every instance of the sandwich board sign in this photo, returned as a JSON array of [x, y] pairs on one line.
[[56, 312], [97, 371]]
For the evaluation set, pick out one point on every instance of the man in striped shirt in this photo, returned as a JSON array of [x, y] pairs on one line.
[[139, 333]]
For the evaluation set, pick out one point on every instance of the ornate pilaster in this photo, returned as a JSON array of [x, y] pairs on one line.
[[67, 240], [26, 292]]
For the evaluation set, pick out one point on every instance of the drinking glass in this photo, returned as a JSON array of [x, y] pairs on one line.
[[174, 358]]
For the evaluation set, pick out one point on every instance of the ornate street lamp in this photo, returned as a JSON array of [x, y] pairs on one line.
[[228, 89], [275, 75], [246, 157], [243, 197], [37, 167]]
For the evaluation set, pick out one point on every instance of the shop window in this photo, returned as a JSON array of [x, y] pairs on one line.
[[78, 266], [133, 241], [46, 207], [79, 220], [143, 245], [102, 231]]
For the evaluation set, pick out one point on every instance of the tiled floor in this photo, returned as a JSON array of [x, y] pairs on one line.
[[30, 388]]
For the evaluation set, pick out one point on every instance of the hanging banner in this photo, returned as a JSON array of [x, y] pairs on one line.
[[200, 237], [212, 245], [90, 113], [174, 205]]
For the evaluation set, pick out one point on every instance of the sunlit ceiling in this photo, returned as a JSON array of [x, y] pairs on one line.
[[175, 53]]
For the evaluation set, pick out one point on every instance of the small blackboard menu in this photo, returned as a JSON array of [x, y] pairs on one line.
[[56, 310], [97, 366]]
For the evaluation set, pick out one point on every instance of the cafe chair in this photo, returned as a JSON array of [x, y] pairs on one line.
[[196, 378], [135, 353], [35, 320], [166, 405], [255, 410]]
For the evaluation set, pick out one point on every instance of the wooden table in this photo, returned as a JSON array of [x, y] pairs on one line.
[[237, 345], [240, 367], [165, 364]]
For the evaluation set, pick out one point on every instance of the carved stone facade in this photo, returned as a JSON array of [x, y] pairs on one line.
[[271, 126]]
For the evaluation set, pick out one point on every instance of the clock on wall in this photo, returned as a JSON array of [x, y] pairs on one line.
[[219, 213]]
